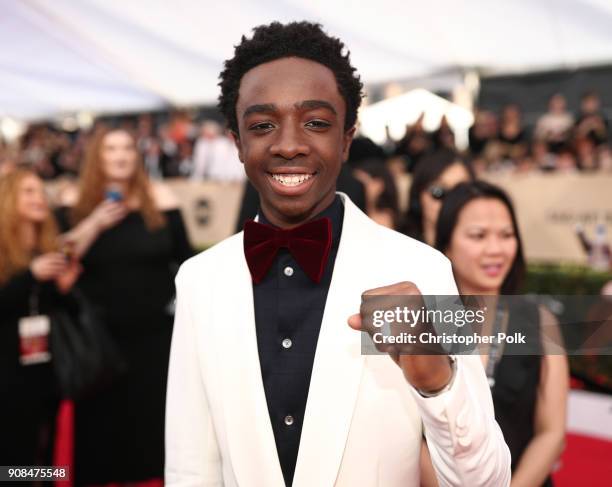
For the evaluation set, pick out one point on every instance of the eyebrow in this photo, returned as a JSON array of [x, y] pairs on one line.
[[312, 104], [262, 108], [306, 104]]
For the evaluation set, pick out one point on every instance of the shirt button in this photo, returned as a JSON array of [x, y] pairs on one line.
[[288, 271], [464, 441], [287, 343], [288, 420], [461, 420]]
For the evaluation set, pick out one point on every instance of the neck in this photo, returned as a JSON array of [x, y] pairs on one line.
[[284, 221], [465, 288], [119, 185], [429, 233]]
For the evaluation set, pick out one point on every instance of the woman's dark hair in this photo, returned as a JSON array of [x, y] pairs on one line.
[[456, 200], [388, 199], [428, 169], [305, 40]]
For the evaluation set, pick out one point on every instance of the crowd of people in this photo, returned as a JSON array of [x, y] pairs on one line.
[[559, 140], [120, 236], [122, 240], [184, 144], [172, 146]]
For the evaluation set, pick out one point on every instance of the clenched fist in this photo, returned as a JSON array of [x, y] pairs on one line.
[[428, 373]]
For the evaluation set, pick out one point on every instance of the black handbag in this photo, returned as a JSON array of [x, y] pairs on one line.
[[85, 358]]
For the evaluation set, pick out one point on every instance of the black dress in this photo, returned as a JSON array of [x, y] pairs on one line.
[[517, 378], [29, 393], [129, 274]]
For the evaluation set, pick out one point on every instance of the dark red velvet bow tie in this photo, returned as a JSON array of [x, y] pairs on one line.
[[309, 245]]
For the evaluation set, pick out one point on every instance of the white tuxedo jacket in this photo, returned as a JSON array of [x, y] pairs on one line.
[[363, 421]]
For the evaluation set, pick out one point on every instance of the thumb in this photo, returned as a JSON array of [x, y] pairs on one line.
[[354, 321]]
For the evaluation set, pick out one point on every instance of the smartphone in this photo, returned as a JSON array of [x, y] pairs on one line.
[[114, 195], [67, 249]]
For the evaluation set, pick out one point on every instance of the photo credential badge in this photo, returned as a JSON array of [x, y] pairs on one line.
[[34, 340]]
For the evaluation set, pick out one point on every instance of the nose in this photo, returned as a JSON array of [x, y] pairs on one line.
[[290, 142], [494, 245]]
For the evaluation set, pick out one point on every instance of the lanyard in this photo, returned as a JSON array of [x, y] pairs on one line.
[[34, 300], [496, 348]]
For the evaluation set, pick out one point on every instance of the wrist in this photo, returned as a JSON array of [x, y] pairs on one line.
[[426, 372], [32, 272], [445, 385], [95, 225]]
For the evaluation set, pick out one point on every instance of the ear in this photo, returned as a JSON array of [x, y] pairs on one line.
[[236, 138], [347, 138]]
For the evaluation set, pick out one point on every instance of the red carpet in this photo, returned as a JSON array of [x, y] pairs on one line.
[[64, 440], [64, 448], [586, 462]]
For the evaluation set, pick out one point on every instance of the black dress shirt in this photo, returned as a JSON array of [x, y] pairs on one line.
[[288, 312]]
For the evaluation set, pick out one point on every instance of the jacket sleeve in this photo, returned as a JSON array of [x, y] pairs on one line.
[[466, 444], [192, 453]]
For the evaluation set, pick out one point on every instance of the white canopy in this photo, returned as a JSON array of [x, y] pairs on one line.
[[397, 112], [65, 56]]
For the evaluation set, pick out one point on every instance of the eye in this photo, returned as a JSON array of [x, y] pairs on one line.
[[318, 124], [508, 234], [261, 127], [476, 236]]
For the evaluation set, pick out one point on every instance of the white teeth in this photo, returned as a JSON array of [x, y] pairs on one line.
[[291, 179]]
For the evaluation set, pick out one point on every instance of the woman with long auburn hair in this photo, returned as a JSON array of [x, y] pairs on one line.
[[31, 269], [40, 235], [130, 236], [97, 174]]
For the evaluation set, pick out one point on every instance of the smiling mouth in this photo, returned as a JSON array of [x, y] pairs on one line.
[[291, 179], [492, 269]]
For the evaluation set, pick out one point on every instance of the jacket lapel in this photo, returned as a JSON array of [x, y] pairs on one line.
[[251, 440], [336, 374], [338, 361]]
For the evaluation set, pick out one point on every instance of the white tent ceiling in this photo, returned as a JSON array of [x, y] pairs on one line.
[[397, 112], [65, 56]]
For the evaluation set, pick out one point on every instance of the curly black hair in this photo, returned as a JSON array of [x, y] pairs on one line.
[[296, 39]]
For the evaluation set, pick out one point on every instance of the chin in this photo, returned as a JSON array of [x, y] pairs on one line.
[[120, 177], [492, 285], [120, 173], [292, 210], [292, 207], [38, 218]]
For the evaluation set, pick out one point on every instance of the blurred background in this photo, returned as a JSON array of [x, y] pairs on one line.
[[521, 91]]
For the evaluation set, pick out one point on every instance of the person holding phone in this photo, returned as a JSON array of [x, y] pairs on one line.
[[130, 236]]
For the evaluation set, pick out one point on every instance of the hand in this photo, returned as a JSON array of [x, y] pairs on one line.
[[48, 266], [66, 279], [428, 373], [107, 214]]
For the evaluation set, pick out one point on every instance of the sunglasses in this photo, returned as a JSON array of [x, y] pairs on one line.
[[438, 192]]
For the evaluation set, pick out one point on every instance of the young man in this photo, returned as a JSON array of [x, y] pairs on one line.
[[267, 386]]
